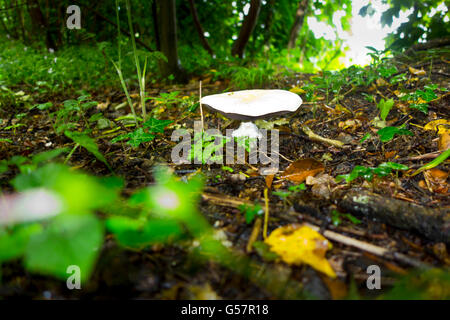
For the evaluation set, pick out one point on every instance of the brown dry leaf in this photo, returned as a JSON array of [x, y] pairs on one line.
[[321, 185], [390, 154], [338, 289], [104, 105], [299, 170], [417, 72], [298, 244], [436, 180], [381, 82], [269, 180], [444, 141]]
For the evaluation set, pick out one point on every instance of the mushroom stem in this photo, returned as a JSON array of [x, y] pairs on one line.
[[247, 129]]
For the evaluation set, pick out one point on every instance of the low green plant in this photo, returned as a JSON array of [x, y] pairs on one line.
[[85, 141], [143, 134], [385, 106], [72, 235], [292, 189], [251, 212], [368, 173], [31, 163], [386, 134], [207, 148], [419, 99], [167, 98], [365, 137], [336, 218], [71, 113]]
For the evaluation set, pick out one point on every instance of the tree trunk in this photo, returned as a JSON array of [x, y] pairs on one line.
[[168, 37], [156, 25], [247, 28], [300, 15], [269, 22], [199, 28], [22, 23], [39, 21]]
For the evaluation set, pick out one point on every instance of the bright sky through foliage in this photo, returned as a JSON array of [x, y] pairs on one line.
[[365, 31]]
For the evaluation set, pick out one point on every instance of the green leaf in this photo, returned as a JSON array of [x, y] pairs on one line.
[[352, 219], [88, 143], [134, 233], [156, 126], [393, 166], [422, 107], [385, 107], [387, 134], [366, 136], [441, 158], [297, 188], [251, 212], [13, 243], [3, 166], [43, 106], [80, 192], [47, 155], [263, 249], [68, 240]]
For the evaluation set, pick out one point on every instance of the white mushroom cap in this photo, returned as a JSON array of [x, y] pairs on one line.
[[253, 104]]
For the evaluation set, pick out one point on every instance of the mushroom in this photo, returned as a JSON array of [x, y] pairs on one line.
[[250, 105]]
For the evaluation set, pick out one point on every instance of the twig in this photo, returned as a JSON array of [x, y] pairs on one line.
[[266, 215], [254, 235], [368, 247], [201, 107], [316, 137], [430, 155]]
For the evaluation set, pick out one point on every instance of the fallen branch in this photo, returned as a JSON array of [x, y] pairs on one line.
[[368, 247], [316, 137], [334, 236], [432, 223]]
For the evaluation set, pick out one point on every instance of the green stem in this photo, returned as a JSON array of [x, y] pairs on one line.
[[141, 76], [71, 153]]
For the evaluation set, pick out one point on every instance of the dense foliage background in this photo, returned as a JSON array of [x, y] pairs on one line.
[[206, 35]]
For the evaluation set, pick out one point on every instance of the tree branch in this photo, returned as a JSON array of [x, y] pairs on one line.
[[199, 28]]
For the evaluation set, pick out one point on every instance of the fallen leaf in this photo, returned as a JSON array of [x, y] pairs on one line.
[[299, 170], [298, 244], [297, 90], [381, 82], [269, 125], [321, 185], [269, 180], [390, 154], [441, 126], [444, 141], [436, 180], [341, 108], [417, 72]]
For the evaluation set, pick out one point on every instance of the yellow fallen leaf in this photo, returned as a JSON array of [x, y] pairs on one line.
[[417, 72], [297, 244], [441, 126], [297, 90], [381, 82], [342, 109]]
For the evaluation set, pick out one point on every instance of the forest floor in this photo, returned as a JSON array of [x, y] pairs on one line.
[[402, 224]]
